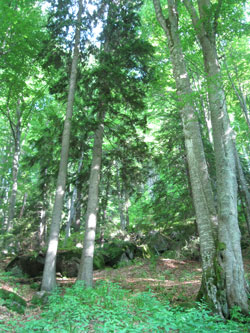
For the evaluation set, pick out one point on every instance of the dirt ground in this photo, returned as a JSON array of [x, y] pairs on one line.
[[175, 280]]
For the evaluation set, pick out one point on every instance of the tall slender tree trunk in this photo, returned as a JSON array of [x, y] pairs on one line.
[[71, 216], [77, 222], [23, 205], [49, 273], [15, 168], [86, 265], [126, 206], [212, 286], [243, 188], [72, 212], [120, 199], [229, 246]]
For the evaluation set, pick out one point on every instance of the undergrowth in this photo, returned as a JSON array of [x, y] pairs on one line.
[[109, 308]]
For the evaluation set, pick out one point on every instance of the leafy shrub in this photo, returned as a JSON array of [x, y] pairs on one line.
[[109, 308]]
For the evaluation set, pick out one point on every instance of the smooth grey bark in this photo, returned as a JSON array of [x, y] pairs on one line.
[[86, 265], [49, 272], [228, 232], [206, 215]]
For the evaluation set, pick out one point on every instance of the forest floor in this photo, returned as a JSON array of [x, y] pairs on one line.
[[178, 281]]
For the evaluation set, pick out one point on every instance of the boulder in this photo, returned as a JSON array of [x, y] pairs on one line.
[[12, 301], [115, 250], [157, 242], [67, 263], [31, 265]]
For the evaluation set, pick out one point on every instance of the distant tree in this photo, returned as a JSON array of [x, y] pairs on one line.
[[21, 36]]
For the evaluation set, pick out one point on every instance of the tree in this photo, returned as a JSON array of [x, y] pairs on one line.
[[49, 273], [117, 85], [205, 25], [212, 284], [21, 38]]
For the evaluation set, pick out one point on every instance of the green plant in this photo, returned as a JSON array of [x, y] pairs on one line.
[[109, 308], [237, 315]]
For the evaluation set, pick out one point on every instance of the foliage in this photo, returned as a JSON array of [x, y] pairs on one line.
[[144, 167], [108, 308]]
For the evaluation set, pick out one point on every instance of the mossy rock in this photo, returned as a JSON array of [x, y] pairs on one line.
[[40, 298], [157, 242], [113, 251], [31, 265], [12, 301]]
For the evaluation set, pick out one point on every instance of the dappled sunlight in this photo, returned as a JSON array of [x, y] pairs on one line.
[[92, 221], [172, 263], [163, 274], [166, 283], [60, 191], [96, 167]]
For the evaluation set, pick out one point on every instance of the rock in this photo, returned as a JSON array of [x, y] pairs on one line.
[[114, 250], [12, 301], [27, 264], [67, 263], [40, 298], [157, 242]]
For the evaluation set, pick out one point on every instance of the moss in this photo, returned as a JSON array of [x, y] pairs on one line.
[[214, 277], [12, 301]]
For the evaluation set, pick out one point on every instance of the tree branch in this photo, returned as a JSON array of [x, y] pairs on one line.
[[217, 15], [198, 26], [159, 15]]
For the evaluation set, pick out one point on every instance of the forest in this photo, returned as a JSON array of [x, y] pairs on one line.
[[124, 166]]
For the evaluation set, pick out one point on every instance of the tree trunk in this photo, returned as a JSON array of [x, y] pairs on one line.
[[15, 168], [126, 206], [228, 246], [77, 223], [201, 188], [242, 184], [120, 200], [86, 265], [23, 205], [49, 273], [72, 212]]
